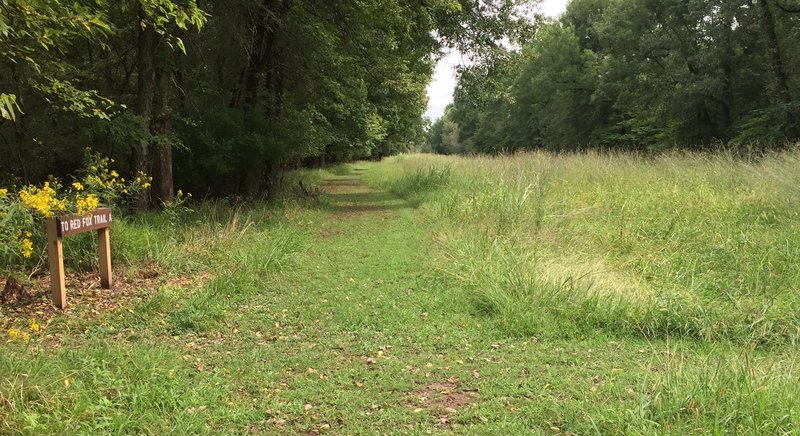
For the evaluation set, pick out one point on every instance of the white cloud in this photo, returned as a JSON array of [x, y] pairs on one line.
[[553, 8], [440, 90]]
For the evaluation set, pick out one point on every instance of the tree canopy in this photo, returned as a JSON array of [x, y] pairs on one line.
[[637, 75], [221, 96]]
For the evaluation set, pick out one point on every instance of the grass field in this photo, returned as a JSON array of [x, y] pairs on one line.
[[553, 294]]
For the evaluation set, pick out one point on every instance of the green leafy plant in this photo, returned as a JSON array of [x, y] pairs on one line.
[[24, 209]]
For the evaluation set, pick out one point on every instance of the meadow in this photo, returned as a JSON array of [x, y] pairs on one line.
[[547, 293]]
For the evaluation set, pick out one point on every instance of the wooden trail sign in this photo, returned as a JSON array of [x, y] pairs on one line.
[[65, 225]]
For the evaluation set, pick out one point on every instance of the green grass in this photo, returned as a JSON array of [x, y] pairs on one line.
[[553, 294]]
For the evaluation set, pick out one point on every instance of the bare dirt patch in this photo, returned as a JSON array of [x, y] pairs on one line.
[[351, 208], [85, 297], [443, 399], [350, 198], [339, 186]]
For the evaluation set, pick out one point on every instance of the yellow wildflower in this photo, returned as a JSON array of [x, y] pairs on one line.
[[26, 248], [3, 192], [87, 203], [180, 193], [14, 334], [93, 168], [28, 234], [35, 327], [41, 200], [145, 185], [19, 335], [114, 174], [78, 186]]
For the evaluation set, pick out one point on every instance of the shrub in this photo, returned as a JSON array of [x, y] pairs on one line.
[[24, 209]]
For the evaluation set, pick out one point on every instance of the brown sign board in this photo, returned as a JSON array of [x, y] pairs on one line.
[[65, 225], [78, 223]]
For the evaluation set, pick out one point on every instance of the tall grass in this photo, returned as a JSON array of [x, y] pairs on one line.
[[681, 245], [694, 250], [213, 236]]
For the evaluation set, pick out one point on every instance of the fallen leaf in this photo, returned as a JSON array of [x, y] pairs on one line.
[[196, 409]]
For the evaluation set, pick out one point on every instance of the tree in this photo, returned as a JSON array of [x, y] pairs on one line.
[[158, 21], [265, 85], [641, 75]]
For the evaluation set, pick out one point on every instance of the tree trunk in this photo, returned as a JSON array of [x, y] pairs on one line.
[[778, 67], [727, 62], [246, 96], [253, 175], [162, 164], [275, 84], [275, 176], [263, 59], [146, 85]]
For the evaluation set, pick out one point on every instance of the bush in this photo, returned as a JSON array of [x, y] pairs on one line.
[[23, 210]]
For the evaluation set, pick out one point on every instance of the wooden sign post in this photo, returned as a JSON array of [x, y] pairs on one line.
[[60, 226]]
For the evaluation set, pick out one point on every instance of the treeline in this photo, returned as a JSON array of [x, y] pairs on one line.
[[636, 75], [220, 96]]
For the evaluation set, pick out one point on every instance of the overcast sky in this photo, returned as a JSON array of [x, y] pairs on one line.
[[440, 91]]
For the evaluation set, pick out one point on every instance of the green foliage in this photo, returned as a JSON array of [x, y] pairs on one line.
[[35, 37], [8, 106], [636, 75], [263, 86]]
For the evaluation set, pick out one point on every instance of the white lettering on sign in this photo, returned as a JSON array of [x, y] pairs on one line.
[[73, 224]]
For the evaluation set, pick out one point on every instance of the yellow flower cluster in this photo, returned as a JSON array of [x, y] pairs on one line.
[[87, 203], [142, 180], [23, 208], [26, 248], [42, 200], [19, 335], [23, 336], [101, 178]]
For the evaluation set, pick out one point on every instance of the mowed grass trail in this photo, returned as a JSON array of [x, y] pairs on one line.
[[385, 306]]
